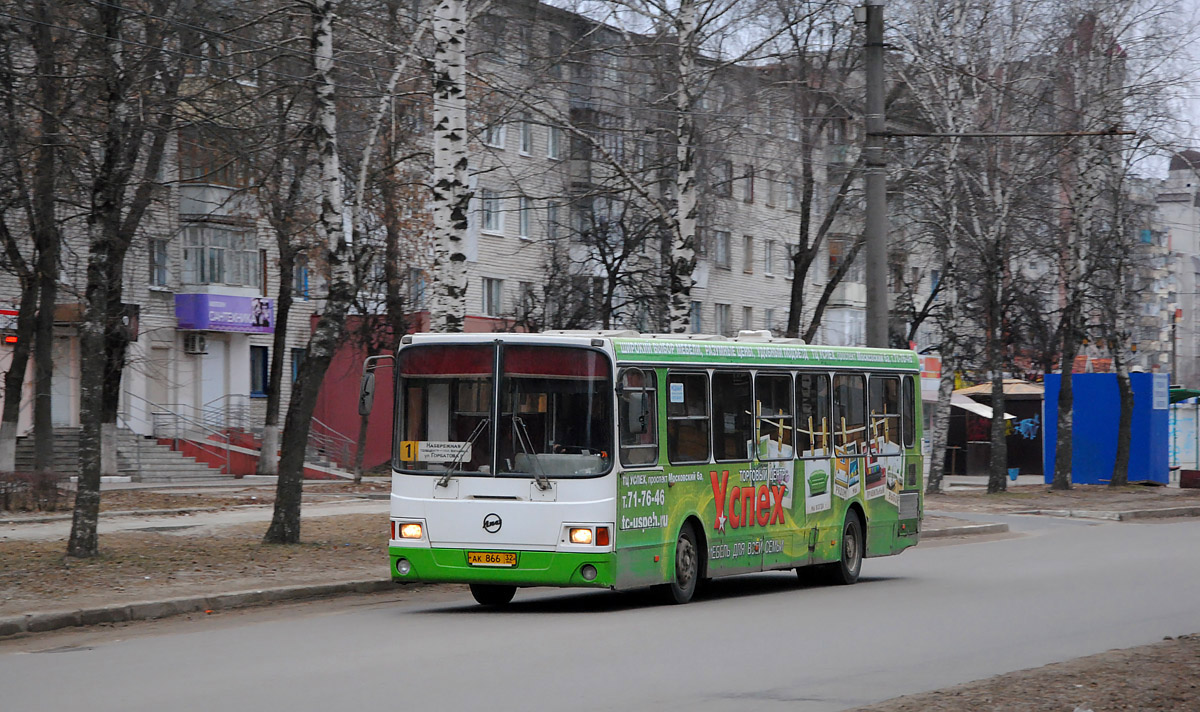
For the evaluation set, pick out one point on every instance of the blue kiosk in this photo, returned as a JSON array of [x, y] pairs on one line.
[[1095, 411]]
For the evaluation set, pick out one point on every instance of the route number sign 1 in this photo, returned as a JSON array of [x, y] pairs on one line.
[[432, 451]]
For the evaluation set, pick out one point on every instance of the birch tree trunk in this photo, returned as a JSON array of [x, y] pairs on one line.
[[327, 336], [939, 423], [683, 238], [451, 195], [1066, 401]]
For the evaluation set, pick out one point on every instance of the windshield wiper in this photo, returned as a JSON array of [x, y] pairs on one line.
[[526, 443], [445, 479]]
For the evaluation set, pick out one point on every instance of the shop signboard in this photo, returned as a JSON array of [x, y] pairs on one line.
[[223, 312]]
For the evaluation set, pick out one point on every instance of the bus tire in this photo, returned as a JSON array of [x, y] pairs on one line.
[[491, 594], [687, 566], [846, 570]]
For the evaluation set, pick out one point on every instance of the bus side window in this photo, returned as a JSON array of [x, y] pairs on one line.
[[884, 407], [814, 427], [773, 404], [733, 434], [638, 418], [849, 413], [910, 412], [687, 418]]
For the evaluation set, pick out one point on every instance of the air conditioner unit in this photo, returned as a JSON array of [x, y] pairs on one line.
[[195, 343]]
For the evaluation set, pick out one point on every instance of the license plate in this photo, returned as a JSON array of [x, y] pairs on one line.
[[492, 558]]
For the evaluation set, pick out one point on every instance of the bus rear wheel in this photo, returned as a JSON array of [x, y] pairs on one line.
[[491, 594], [687, 566], [845, 571]]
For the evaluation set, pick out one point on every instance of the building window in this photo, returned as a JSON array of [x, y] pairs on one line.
[[259, 365], [554, 143], [771, 192], [769, 258], [790, 267], [493, 134], [747, 317], [300, 276], [552, 221], [748, 184], [721, 321], [554, 51], [721, 256], [793, 128], [297, 362], [493, 293], [839, 251], [748, 254], [416, 288], [159, 275], [490, 217], [219, 254], [769, 318], [526, 135], [722, 177], [694, 319], [524, 216], [793, 193], [207, 158], [526, 299]]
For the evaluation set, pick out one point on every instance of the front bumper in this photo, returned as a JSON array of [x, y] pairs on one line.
[[534, 568]]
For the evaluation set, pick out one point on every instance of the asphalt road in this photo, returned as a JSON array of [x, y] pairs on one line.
[[934, 616]]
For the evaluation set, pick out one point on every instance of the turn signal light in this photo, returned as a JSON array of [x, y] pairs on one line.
[[410, 530], [581, 535], [601, 536]]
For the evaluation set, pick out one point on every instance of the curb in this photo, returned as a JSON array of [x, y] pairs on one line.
[[150, 610], [1117, 516], [965, 530]]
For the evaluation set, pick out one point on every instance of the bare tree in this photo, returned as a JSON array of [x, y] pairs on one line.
[[129, 120]]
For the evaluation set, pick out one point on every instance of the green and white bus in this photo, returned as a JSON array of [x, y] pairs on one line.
[[619, 460]]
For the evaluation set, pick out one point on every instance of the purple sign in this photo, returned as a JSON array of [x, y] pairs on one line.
[[222, 312]]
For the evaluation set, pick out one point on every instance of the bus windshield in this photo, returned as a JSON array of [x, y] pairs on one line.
[[555, 412], [554, 416]]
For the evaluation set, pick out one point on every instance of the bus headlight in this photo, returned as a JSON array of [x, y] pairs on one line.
[[410, 530], [581, 535], [403, 566]]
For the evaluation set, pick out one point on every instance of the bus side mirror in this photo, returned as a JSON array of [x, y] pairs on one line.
[[636, 411], [366, 393]]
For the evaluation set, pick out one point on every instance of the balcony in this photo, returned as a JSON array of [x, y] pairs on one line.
[[849, 294]]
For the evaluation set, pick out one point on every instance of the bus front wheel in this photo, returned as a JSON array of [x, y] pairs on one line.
[[490, 594], [687, 566]]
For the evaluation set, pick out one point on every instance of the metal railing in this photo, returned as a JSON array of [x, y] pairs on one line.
[[327, 443], [227, 411], [167, 424]]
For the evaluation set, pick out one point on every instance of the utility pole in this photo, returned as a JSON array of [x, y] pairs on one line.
[[875, 170]]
